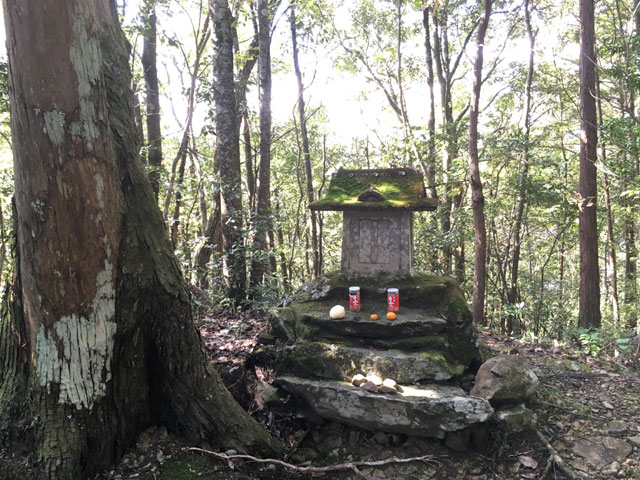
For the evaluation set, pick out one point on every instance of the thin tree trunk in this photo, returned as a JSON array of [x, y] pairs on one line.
[[630, 271], [150, 69], [175, 224], [477, 197], [202, 196], [431, 143], [513, 295], [447, 122], [202, 38], [248, 161], [613, 277], [305, 148], [262, 221], [589, 314], [139, 126], [228, 153]]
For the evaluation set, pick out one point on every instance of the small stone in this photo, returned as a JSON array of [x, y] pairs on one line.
[[635, 441], [516, 418], [375, 379], [358, 380], [331, 443], [618, 447], [231, 452], [381, 438], [617, 427], [354, 438], [390, 383], [389, 386], [607, 405], [458, 441], [611, 469], [369, 386]]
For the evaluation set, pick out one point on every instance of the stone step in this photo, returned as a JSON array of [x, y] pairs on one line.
[[340, 362], [427, 411], [409, 323]]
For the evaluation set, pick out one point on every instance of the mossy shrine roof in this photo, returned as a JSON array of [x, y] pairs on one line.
[[376, 189]]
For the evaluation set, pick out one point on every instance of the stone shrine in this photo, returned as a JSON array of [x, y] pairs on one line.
[[426, 348], [377, 226]]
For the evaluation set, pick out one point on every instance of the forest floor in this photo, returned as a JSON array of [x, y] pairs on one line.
[[588, 411]]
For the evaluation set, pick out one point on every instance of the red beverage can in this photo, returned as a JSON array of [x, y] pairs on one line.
[[354, 298], [393, 299]]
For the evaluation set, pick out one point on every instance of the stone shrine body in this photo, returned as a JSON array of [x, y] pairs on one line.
[[378, 208]]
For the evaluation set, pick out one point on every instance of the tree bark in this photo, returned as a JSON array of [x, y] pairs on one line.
[[228, 152], [150, 69], [305, 149], [477, 197], [513, 294], [589, 313], [109, 340], [431, 124], [262, 220], [446, 68], [611, 252]]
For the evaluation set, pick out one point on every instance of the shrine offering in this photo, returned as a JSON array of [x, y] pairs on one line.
[[354, 298], [393, 299], [337, 312]]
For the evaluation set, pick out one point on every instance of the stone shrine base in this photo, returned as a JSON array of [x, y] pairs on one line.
[[426, 349]]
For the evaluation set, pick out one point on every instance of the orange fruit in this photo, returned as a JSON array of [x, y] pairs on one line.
[[373, 316], [391, 315]]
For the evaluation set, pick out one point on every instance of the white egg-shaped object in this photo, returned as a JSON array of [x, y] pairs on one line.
[[337, 312]]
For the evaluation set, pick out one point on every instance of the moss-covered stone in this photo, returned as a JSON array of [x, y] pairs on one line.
[[340, 362], [433, 316]]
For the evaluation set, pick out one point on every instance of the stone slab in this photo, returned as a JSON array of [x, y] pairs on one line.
[[339, 362], [428, 411], [407, 324]]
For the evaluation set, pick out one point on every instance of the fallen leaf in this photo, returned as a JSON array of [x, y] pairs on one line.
[[528, 462]]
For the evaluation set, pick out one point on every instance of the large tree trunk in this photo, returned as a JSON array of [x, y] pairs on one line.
[[150, 69], [228, 152], [589, 315], [108, 332], [477, 197]]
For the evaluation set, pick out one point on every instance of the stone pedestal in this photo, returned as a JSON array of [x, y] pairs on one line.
[[425, 349]]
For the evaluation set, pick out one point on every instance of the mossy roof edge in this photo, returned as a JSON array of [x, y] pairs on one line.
[[401, 188]]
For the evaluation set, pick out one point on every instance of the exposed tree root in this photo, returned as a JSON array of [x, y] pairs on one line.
[[555, 458], [353, 466]]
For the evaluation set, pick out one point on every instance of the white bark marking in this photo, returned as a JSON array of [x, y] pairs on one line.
[[54, 126], [87, 61], [99, 189], [82, 364]]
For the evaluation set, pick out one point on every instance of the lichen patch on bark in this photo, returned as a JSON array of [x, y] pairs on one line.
[[54, 126], [87, 61], [77, 352]]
